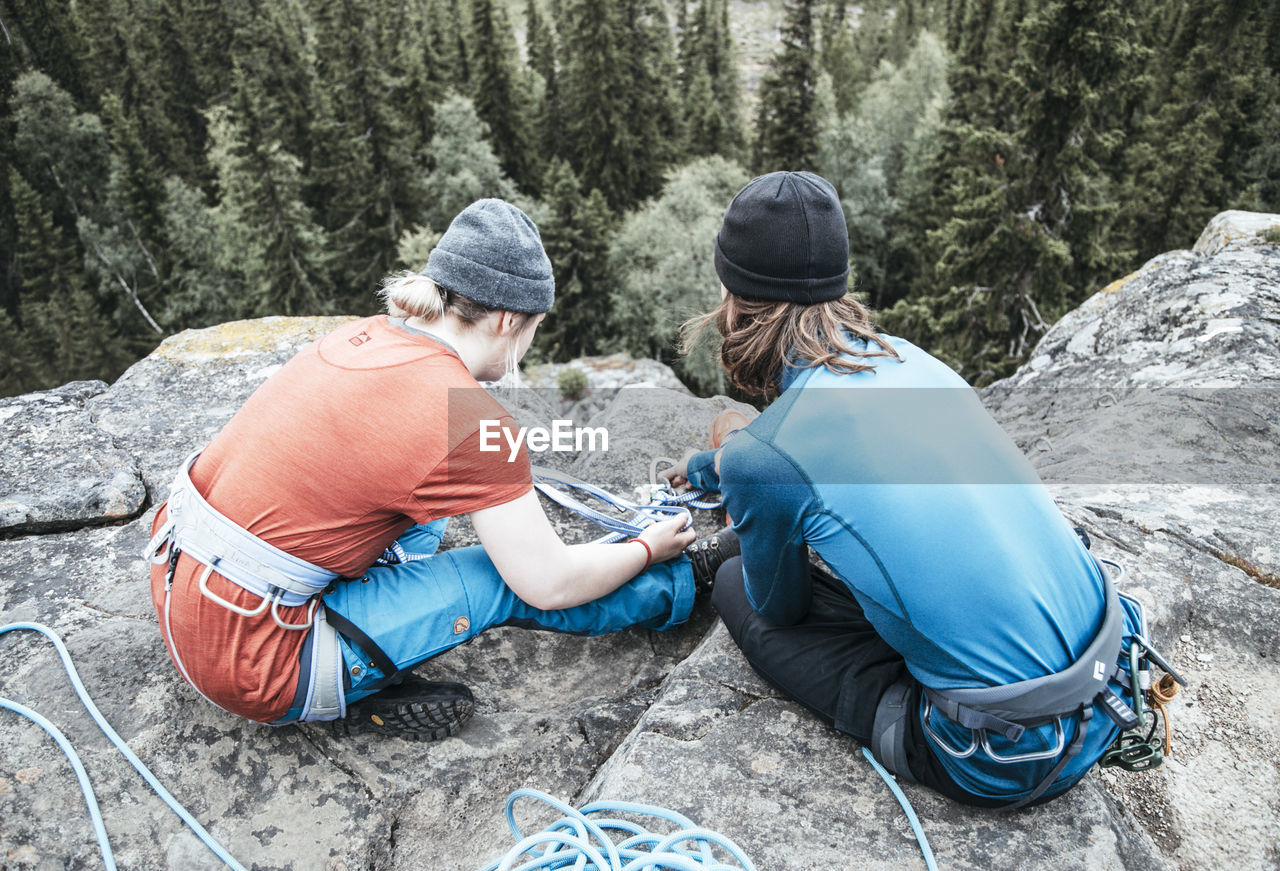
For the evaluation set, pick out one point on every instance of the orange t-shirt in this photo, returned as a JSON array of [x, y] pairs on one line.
[[361, 435]]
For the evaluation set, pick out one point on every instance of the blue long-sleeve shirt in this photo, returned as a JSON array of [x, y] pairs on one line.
[[912, 494]]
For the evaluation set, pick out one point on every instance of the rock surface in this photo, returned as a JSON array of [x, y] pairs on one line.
[[1151, 412]]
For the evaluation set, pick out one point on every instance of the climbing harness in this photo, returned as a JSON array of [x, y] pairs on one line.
[[108, 857], [194, 527], [1009, 710], [625, 518], [580, 840]]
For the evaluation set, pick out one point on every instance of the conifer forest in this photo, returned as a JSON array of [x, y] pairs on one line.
[[170, 164]]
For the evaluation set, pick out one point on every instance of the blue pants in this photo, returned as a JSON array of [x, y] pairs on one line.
[[421, 608]]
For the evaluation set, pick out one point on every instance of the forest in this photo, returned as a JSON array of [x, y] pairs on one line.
[[170, 164]]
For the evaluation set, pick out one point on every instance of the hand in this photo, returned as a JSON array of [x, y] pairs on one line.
[[678, 475], [667, 539]]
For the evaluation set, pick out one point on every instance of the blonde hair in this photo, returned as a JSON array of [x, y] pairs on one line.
[[761, 337], [414, 295]]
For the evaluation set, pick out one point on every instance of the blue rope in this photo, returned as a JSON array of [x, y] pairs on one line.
[[108, 857], [583, 843], [906, 807]]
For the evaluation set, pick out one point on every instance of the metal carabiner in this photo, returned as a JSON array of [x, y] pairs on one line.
[[937, 739]]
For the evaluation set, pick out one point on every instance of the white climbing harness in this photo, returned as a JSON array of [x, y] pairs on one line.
[[194, 527]]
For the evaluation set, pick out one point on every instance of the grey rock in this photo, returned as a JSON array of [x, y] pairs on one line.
[[1150, 412], [58, 469]]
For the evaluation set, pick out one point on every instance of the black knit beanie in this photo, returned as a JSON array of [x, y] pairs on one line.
[[784, 239]]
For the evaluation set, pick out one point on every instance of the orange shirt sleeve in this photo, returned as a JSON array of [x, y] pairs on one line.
[[480, 472]]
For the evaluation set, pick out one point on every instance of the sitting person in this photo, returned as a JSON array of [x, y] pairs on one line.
[[267, 578], [947, 568]]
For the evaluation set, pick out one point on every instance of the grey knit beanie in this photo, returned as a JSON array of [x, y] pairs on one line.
[[492, 254]]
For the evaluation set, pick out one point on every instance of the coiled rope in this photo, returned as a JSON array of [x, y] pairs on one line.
[[108, 857], [580, 840]]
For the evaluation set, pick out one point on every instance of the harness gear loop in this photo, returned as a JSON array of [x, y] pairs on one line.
[[214, 597]]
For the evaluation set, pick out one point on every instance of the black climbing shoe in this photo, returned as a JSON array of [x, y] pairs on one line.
[[415, 709], [708, 554]]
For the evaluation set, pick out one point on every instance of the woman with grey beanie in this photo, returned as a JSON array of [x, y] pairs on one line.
[[295, 567]]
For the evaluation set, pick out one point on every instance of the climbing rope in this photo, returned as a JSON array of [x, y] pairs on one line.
[[624, 519], [108, 858], [580, 840], [907, 809]]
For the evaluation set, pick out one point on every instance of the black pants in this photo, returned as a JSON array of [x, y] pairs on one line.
[[834, 664]]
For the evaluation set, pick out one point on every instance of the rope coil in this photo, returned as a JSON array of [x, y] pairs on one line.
[[580, 840]]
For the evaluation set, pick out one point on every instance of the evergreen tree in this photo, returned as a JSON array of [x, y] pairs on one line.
[[575, 233], [266, 232], [549, 121], [787, 123], [1193, 157], [365, 183], [44, 32], [206, 282], [712, 120], [60, 321], [499, 92], [840, 58], [464, 166], [619, 112], [1028, 210]]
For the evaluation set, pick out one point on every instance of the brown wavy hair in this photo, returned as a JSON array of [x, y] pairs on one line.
[[762, 337]]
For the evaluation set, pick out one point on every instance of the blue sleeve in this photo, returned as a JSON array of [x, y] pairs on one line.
[[769, 500], [702, 471]]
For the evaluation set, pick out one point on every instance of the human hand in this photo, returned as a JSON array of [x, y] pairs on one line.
[[678, 475], [668, 539]]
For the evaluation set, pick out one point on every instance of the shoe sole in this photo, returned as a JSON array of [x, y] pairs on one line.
[[412, 721]]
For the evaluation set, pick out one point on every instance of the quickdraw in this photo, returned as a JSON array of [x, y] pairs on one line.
[[624, 518]]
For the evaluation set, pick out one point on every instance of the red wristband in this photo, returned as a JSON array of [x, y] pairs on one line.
[[648, 560]]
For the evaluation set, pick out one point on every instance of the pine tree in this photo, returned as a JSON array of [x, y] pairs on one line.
[[787, 123], [543, 54], [712, 120], [206, 282], [499, 92], [839, 57], [364, 180], [60, 321], [1192, 158], [1027, 210], [654, 133], [575, 233], [620, 113], [266, 232]]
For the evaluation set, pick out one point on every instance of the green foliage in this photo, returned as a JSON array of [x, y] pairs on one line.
[[464, 166], [265, 230], [572, 383], [500, 92], [575, 232], [1023, 213], [621, 123], [665, 274], [787, 124], [876, 157], [709, 77]]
